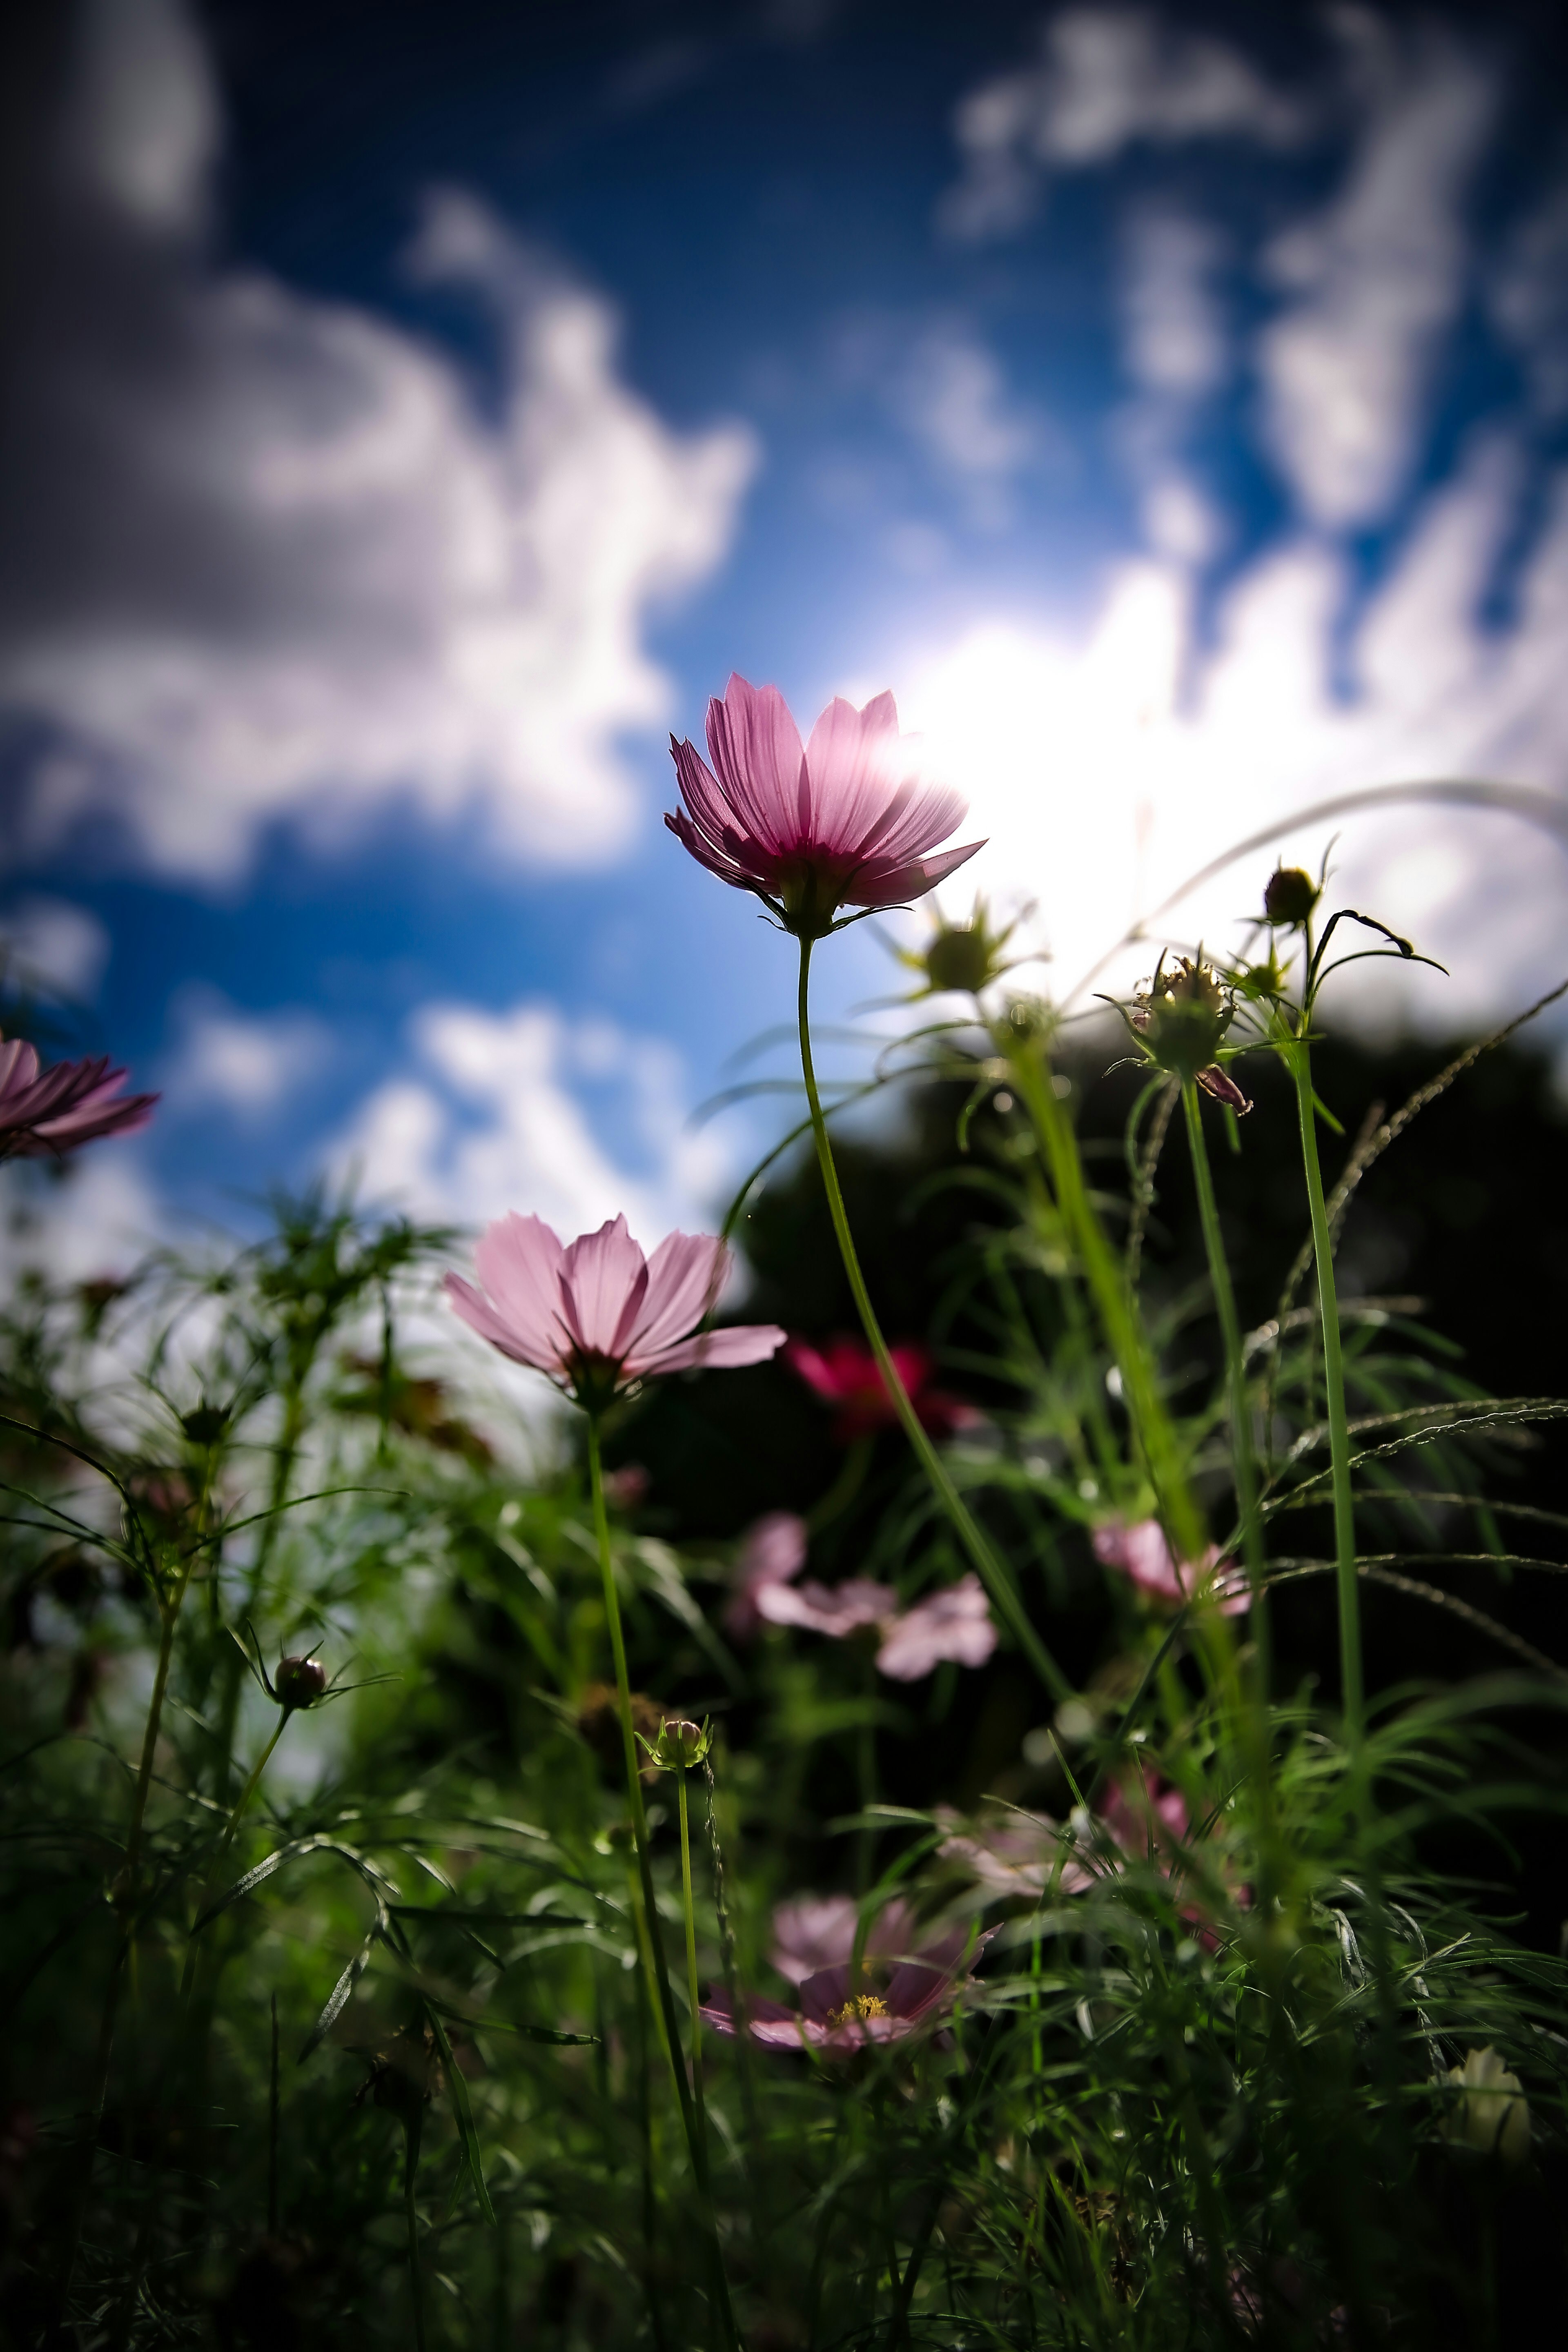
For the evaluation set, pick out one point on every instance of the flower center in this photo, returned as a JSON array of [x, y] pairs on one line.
[[863, 2005]]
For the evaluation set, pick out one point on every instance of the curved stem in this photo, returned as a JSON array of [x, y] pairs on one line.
[[230, 1826], [1350, 1679], [1235, 1375], [691, 1987], [411, 2217], [655, 1947], [996, 1577]]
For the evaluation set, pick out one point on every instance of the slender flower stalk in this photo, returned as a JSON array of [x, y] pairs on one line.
[[1352, 1685], [411, 2132], [1235, 1375], [693, 1990], [695, 2140], [993, 1575]]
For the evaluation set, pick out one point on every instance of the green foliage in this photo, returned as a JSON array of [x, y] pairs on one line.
[[321, 2041]]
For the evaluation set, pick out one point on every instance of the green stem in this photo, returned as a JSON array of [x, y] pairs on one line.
[[655, 1945], [240, 1802], [691, 1988], [996, 1577], [1032, 1081], [411, 2216], [1350, 1679], [1236, 1374]]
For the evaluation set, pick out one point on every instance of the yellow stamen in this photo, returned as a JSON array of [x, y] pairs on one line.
[[864, 2005]]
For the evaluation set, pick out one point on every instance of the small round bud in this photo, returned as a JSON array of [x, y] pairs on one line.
[[298, 1683], [1289, 895], [1182, 1019], [961, 958], [205, 1424], [681, 1743]]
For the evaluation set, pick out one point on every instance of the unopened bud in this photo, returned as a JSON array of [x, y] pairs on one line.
[[681, 1743], [1489, 2112], [1289, 895], [1183, 1018], [205, 1424], [298, 1683]]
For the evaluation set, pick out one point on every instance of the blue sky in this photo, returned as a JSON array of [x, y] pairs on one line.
[[403, 432]]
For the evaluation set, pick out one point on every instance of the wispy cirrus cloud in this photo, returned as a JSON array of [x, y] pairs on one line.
[[267, 556]]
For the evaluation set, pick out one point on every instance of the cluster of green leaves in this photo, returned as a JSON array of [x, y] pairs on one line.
[[372, 2061]]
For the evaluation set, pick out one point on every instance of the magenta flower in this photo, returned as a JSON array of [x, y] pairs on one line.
[[63, 1108], [843, 820], [1142, 1554], [898, 1990], [1017, 1853], [596, 1313], [953, 1623], [846, 1374], [773, 1552]]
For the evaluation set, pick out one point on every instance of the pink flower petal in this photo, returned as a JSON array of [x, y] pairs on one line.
[[837, 1611], [479, 1315], [685, 1276], [725, 1351], [518, 1262], [955, 1624], [757, 755], [604, 1278]]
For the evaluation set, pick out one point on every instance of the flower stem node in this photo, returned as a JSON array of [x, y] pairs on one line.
[[298, 1683], [1489, 2111], [1290, 896], [682, 1744]]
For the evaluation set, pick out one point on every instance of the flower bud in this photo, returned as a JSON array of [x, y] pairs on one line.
[[205, 1423], [1489, 2111], [298, 1683], [681, 1743], [1183, 1018], [1289, 895]]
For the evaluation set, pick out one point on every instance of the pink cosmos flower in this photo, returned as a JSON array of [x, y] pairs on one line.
[[596, 1313], [846, 1373], [61, 1108], [836, 1609], [954, 1622], [1144, 1555], [842, 821], [773, 1552], [1016, 1853], [898, 1990]]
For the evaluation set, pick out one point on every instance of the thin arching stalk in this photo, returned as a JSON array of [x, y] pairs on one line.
[[993, 1574], [691, 1986], [654, 1948], [1351, 1676]]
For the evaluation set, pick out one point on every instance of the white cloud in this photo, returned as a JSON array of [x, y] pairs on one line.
[[952, 398], [244, 1063], [493, 1115], [275, 561], [49, 943], [98, 1218], [1106, 772], [1529, 299], [1174, 328], [1106, 78], [1377, 279]]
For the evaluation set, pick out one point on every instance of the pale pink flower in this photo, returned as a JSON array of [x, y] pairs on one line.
[[954, 1622], [898, 1988], [1017, 1853], [773, 1552], [47, 1113], [1142, 1554], [843, 820], [596, 1313], [836, 1609]]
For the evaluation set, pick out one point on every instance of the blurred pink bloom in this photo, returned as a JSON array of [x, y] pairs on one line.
[[955, 1622], [773, 1552], [1017, 1853], [596, 1313], [1143, 1554], [898, 1988], [846, 1373], [72, 1104], [844, 820], [836, 1609]]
